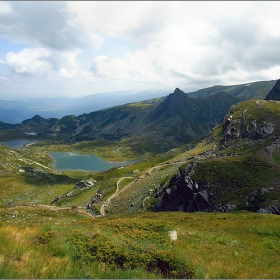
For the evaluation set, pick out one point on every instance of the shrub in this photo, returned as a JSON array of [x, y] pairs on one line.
[[127, 255]]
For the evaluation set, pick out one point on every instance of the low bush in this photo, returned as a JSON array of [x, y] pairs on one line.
[[128, 255]]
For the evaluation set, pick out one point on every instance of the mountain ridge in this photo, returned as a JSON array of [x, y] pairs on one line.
[[167, 122]]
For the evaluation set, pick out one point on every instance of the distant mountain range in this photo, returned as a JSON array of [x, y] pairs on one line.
[[235, 167], [255, 90], [161, 123], [15, 111]]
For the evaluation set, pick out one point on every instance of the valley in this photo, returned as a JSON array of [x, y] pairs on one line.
[[208, 167]]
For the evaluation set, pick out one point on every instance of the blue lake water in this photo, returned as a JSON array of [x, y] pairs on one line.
[[68, 161], [19, 143]]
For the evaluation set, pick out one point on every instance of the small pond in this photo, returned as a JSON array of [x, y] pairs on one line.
[[68, 161], [19, 143]]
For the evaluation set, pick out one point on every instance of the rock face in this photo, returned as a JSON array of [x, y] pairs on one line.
[[256, 197], [85, 184], [232, 129], [77, 188], [270, 209], [274, 93], [184, 194], [95, 199]]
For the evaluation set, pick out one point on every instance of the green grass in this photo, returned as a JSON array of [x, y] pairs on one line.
[[61, 244]]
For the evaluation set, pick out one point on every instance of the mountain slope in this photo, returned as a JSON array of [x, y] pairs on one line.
[[274, 93], [162, 122], [15, 111], [241, 169], [255, 90]]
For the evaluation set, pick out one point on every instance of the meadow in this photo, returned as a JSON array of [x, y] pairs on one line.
[[50, 242]]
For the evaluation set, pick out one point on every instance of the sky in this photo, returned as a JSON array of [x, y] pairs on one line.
[[75, 48]]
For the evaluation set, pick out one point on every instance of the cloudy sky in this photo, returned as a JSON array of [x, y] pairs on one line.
[[80, 48]]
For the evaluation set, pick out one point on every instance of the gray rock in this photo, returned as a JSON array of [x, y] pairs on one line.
[[57, 198], [97, 198], [222, 207], [270, 209], [85, 184], [184, 194]]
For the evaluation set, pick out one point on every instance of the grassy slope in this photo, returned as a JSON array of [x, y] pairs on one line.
[[251, 167], [236, 245], [58, 244]]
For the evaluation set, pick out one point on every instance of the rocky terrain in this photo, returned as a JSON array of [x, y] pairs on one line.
[[242, 169], [235, 167], [161, 123]]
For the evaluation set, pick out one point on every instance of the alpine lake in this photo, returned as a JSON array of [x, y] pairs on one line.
[[69, 161]]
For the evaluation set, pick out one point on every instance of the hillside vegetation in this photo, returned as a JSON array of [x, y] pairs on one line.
[[217, 193]]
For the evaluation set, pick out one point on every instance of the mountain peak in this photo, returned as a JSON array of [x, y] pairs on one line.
[[178, 91], [176, 103], [274, 93]]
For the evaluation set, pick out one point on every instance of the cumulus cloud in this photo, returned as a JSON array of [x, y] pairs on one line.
[[105, 45], [48, 24], [29, 61], [139, 22]]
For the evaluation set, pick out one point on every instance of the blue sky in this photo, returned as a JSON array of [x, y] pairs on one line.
[[80, 48]]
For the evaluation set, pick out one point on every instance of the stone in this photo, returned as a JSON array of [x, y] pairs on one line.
[[270, 209], [222, 207], [173, 235], [85, 184], [57, 198]]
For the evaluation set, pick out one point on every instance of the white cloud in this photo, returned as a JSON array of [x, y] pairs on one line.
[[110, 68], [5, 8], [29, 61], [45, 24], [65, 73], [104, 45], [136, 21]]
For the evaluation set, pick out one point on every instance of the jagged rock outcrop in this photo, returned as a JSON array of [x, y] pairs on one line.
[[256, 197], [270, 209], [274, 93], [85, 184], [234, 128], [184, 194], [221, 207], [77, 188], [97, 197]]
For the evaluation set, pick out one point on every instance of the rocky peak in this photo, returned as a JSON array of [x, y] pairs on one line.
[[36, 119], [175, 103], [274, 93], [178, 91]]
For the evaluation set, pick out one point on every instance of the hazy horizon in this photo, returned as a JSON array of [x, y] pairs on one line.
[[75, 49]]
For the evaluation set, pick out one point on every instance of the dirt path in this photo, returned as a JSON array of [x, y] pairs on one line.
[[102, 208], [118, 191], [75, 209]]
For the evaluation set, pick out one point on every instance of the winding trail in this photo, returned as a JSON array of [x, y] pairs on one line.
[[118, 191], [102, 208], [75, 209]]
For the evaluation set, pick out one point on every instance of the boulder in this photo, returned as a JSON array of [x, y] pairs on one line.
[[97, 198], [222, 207], [270, 209], [85, 184], [57, 198]]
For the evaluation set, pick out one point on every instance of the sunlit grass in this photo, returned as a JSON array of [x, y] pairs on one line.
[[236, 245]]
